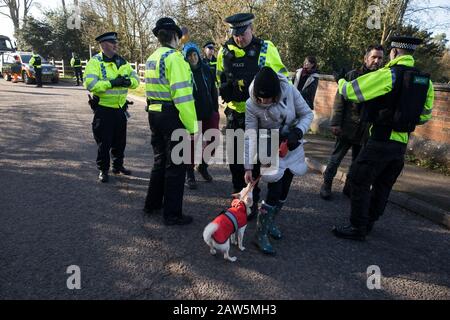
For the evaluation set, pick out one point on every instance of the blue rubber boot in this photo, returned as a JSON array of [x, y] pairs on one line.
[[265, 216], [274, 232]]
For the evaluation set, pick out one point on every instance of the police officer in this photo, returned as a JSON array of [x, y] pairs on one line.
[[75, 63], [108, 77], [209, 58], [238, 61], [398, 97], [36, 63], [170, 107]]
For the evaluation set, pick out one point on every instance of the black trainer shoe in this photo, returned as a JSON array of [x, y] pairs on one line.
[[121, 170], [103, 176], [178, 221], [350, 232], [325, 191], [203, 170]]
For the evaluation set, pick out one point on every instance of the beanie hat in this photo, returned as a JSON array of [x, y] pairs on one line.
[[267, 84], [188, 48]]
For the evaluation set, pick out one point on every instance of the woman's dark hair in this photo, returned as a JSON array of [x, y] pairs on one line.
[[166, 36], [312, 60]]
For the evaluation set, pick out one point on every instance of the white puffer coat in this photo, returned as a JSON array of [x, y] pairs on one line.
[[290, 107]]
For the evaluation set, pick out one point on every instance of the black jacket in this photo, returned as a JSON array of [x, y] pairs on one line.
[[205, 92], [347, 115]]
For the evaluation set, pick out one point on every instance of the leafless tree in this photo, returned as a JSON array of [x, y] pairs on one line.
[[17, 10]]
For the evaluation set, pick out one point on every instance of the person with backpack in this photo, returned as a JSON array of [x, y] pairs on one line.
[[397, 98]]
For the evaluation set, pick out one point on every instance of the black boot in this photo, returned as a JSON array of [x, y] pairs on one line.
[[325, 190], [121, 170], [370, 226], [347, 188], [103, 176], [350, 232], [190, 179], [203, 170]]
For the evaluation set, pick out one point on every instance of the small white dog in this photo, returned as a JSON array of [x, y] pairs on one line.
[[226, 225]]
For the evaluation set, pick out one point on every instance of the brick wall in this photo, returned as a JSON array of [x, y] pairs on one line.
[[431, 139]]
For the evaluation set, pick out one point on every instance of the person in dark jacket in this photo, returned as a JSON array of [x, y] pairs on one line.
[[206, 106], [306, 80], [346, 123]]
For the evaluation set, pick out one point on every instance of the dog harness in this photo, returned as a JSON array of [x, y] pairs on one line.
[[230, 221]]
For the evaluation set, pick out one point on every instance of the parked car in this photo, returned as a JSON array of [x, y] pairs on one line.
[[49, 71]]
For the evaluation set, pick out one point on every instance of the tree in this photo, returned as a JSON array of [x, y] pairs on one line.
[[14, 11], [51, 37]]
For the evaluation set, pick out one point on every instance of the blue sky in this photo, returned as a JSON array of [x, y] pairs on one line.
[[437, 18]]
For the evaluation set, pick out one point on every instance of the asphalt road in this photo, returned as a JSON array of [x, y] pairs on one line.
[[54, 214]]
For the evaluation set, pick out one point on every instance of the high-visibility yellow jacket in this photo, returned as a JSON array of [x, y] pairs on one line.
[[73, 63], [168, 78], [98, 73], [36, 61], [379, 83], [268, 57]]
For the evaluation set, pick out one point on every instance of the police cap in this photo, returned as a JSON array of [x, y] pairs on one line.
[[405, 42], [108, 36], [167, 24], [240, 22], [209, 44]]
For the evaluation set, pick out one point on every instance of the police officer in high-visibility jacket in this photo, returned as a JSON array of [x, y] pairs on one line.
[[36, 63], [108, 77], [238, 61], [397, 98], [170, 107], [75, 63]]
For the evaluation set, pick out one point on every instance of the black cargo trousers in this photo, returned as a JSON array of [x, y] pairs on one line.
[[235, 121], [373, 174], [110, 132], [166, 186]]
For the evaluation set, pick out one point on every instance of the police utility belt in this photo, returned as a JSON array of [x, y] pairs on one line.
[[167, 107], [94, 104]]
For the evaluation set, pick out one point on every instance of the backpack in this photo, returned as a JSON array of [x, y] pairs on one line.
[[411, 88]]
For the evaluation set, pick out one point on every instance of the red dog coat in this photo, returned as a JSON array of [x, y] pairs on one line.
[[227, 220]]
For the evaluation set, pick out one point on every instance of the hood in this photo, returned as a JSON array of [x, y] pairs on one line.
[[189, 47], [284, 84]]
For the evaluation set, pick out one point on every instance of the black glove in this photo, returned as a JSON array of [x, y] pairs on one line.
[[126, 82], [117, 82], [293, 138], [226, 91]]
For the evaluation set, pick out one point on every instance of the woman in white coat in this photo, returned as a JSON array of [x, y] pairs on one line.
[[275, 104]]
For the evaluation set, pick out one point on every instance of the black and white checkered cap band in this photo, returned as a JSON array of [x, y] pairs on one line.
[[406, 46], [241, 24]]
